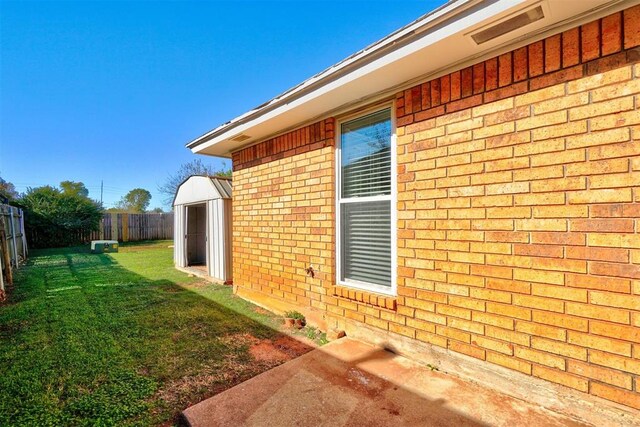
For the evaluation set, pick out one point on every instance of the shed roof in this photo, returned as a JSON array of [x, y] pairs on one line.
[[200, 188], [431, 46]]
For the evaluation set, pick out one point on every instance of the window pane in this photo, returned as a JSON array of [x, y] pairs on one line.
[[366, 155], [366, 242]]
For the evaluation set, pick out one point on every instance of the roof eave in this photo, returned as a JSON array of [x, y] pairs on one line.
[[446, 11], [382, 67]]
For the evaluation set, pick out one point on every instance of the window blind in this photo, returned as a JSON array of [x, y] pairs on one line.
[[366, 237], [366, 156], [365, 200]]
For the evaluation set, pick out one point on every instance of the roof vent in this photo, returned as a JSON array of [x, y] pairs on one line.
[[240, 138], [514, 23]]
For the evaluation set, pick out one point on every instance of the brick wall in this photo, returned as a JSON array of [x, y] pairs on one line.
[[283, 204], [591, 49], [309, 138], [519, 191], [518, 207]]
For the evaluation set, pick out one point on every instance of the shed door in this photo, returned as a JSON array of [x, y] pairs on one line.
[[196, 234]]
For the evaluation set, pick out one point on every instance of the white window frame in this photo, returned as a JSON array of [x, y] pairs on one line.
[[392, 198]]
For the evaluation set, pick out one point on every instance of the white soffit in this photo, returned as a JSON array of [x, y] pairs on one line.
[[429, 47]]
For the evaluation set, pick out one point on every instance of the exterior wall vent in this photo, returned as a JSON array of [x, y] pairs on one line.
[[511, 24], [240, 138]]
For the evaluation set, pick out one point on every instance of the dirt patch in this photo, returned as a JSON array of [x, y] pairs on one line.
[[261, 310], [196, 285], [291, 346], [270, 351], [211, 380], [265, 351]]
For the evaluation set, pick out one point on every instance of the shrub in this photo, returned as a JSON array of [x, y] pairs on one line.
[[58, 218]]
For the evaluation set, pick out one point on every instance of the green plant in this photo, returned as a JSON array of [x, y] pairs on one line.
[[312, 332], [315, 334], [294, 315], [136, 200], [57, 217], [8, 191], [322, 339]]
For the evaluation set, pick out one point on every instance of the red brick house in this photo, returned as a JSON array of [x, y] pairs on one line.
[[467, 191]]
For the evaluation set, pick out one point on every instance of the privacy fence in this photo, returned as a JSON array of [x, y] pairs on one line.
[[13, 243], [124, 227]]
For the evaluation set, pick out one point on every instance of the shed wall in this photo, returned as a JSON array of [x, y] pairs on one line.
[[228, 233], [179, 248], [219, 223]]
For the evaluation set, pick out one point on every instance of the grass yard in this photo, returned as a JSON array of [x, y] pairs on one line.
[[124, 339]]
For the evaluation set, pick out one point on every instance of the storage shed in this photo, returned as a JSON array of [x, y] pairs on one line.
[[202, 232]]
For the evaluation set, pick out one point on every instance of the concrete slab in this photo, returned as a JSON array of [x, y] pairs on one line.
[[350, 383]]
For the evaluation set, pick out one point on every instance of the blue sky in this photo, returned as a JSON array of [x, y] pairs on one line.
[[112, 91]]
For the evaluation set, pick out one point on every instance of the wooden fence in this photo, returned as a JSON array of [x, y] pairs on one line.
[[13, 244], [124, 227], [134, 227]]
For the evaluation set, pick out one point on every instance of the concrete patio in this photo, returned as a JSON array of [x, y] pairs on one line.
[[350, 383]]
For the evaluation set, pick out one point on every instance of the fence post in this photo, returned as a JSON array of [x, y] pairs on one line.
[[23, 234], [5, 249], [13, 237], [114, 226], [125, 227], [3, 294]]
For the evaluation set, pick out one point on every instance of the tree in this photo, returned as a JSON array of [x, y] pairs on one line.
[[72, 187], [194, 167], [136, 200], [8, 191], [58, 218], [157, 210]]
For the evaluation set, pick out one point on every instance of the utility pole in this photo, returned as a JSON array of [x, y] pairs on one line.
[[102, 207]]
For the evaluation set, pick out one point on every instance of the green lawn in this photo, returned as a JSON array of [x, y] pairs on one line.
[[122, 339]]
